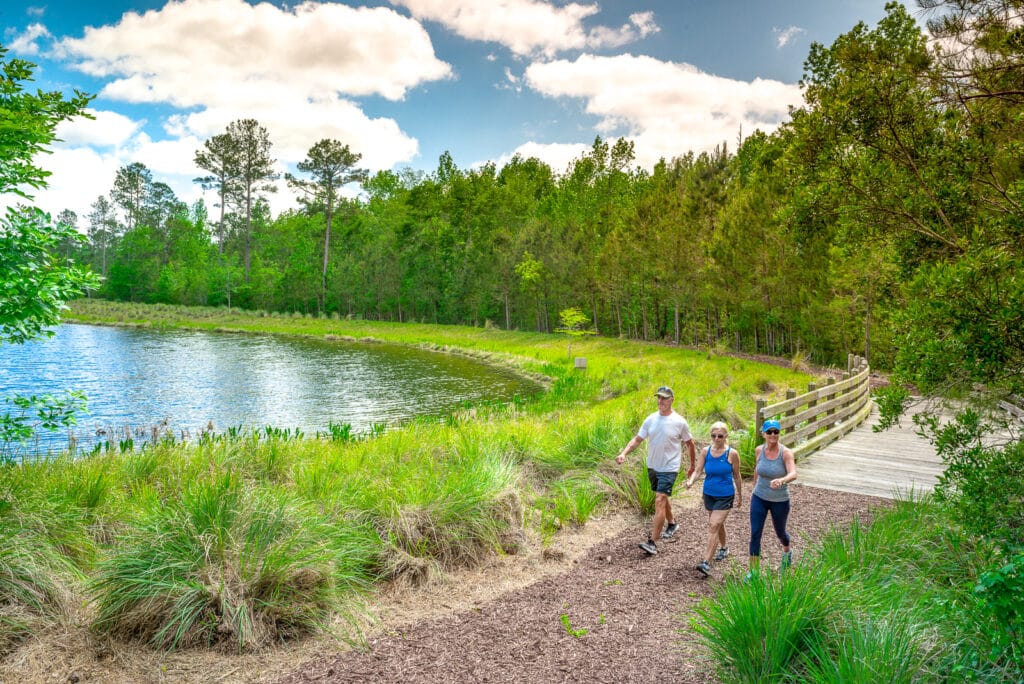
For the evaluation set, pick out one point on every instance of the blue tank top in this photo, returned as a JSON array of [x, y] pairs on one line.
[[718, 475]]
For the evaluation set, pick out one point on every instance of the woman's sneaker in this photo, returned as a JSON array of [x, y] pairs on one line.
[[722, 553], [670, 531], [649, 547], [704, 567], [787, 560]]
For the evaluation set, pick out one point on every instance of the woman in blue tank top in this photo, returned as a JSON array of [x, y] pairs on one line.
[[775, 468], [723, 489]]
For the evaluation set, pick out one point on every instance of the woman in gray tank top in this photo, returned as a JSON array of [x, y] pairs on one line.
[[775, 469]]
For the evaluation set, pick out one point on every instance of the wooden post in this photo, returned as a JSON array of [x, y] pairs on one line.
[[849, 362], [758, 420], [811, 386], [790, 394], [830, 381]]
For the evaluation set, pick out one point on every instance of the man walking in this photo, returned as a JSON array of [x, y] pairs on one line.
[[667, 432]]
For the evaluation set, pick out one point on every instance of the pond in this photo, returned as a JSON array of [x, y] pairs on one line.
[[182, 382]]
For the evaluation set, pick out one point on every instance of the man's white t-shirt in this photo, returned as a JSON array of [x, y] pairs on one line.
[[665, 436]]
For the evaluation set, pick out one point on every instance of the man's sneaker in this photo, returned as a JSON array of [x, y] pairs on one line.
[[649, 547], [704, 567], [787, 560], [722, 553], [670, 531]]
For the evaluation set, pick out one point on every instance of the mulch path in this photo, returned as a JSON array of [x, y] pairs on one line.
[[634, 610]]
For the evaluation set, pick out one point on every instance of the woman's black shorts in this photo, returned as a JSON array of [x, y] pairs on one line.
[[718, 503]]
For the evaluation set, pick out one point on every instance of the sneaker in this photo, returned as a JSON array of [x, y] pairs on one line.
[[722, 553], [787, 560], [649, 547], [704, 567], [670, 531]]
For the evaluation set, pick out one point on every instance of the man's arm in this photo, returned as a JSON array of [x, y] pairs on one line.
[[692, 450], [633, 444]]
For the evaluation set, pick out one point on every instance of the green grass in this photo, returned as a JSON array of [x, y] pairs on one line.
[[237, 540], [893, 601]]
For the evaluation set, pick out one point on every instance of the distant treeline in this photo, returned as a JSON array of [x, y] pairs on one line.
[[885, 218]]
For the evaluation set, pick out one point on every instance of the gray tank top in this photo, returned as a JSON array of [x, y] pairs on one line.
[[767, 470]]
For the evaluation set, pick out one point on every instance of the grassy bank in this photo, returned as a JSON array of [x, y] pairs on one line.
[[236, 541]]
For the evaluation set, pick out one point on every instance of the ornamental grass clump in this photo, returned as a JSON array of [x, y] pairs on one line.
[[222, 566], [629, 485], [757, 629], [33, 593]]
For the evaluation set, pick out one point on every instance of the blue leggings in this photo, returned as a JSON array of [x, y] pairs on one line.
[[759, 510]]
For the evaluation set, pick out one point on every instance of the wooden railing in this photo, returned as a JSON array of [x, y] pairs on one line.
[[822, 414]]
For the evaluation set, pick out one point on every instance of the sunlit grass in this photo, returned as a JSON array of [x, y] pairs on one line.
[[890, 601]]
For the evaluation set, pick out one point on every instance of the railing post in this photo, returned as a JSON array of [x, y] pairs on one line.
[[811, 386], [830, 381], [758, 419], [790, 394], [849, 362]]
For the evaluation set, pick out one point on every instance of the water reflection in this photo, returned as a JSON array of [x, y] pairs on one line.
[[140, 378]]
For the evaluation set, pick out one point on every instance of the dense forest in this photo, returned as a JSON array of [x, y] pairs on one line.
[[884, 218]]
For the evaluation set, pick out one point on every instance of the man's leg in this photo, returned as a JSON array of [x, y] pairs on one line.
[[662, 509]]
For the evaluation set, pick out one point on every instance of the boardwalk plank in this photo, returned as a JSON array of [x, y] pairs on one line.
[[880, 464]]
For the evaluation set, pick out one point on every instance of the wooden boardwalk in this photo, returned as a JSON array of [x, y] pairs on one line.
[[874, 463]]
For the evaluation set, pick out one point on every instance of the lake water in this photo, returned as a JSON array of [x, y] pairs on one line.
[[184, 380]]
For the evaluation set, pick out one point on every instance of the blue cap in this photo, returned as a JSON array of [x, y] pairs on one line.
[[769, 424]]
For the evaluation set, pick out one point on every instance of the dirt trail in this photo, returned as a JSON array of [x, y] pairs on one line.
[[627, 613]]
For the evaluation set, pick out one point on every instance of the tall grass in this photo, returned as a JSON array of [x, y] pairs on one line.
[[893, 601], [220, 566], [756, 630]]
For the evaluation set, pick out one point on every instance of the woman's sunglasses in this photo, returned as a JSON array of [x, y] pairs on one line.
[[771, 432], [718, 436]]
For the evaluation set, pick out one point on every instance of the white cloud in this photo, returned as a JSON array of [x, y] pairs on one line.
[[35, 11], [295, 70], [556, 155], [783, 36], [105, 129], [529, 26], [666, 109], [215, 52], [24, 44]]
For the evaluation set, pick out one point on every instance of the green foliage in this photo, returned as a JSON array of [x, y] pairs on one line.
[[901, 598], [757, 630], [1000, 590], [982, 485], [630, 486], [569, 629], [33, 413], [218, 566]]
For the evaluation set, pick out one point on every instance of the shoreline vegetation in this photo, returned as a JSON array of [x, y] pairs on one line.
[[250, 553], [236, 543]]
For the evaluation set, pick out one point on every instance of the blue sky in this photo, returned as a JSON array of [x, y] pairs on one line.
[[402, 81]]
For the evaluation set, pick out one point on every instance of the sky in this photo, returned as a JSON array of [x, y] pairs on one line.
[[403, 81]]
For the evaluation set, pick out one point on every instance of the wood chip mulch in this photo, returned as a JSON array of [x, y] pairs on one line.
[[628, 614]]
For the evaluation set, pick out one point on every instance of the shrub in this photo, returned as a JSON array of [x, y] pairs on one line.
[[220, 566]]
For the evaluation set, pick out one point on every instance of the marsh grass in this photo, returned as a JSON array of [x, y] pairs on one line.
[[34, 577], [756, 630], [629, 486], [219, 567], [234, 540]]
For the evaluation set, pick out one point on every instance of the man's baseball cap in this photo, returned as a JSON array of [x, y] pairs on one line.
[[664, 392]]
